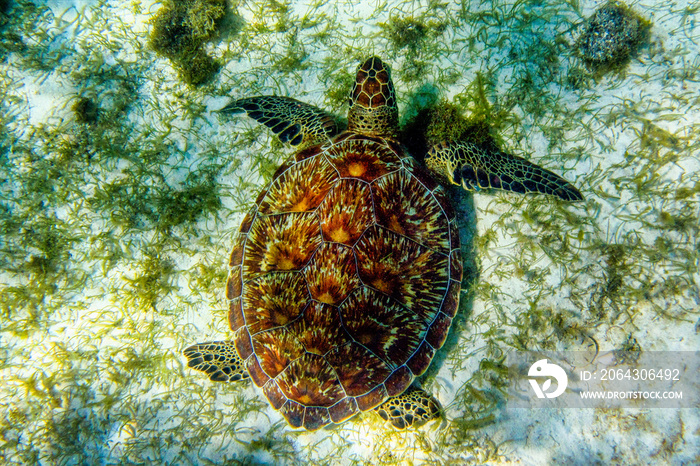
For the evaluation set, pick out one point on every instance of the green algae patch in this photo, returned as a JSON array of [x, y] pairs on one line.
[[470, 117], [416, 37], [181, 29], [409, 32]]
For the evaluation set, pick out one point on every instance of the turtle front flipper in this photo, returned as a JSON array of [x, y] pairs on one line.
[[414, 407], [218, 359], [294, 122], [475, 167]]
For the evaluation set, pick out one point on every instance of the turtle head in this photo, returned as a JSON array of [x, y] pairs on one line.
[[373, 109]]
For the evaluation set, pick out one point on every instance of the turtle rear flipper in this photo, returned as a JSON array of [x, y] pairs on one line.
[[475, 167], [293, 122], [413, 407], [218, 359]]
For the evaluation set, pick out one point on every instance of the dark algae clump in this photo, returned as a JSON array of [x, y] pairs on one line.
[[180, 31], [86, 110], [611, 37], [4, 6]]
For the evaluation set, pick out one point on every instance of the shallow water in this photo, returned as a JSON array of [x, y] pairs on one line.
[[120, 191]]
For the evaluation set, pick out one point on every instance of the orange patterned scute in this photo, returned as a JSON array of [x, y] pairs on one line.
[[276, 349], [357, 368], [397, 382], [331, 275], [235, 314], [408, 272], [259, 376], [280, 243], [363, 159], [311, 381], [274, 300], [346, 212], [274, 395], [293, 412], [320, 329], [343, 282], [300, 188], [372, 398], [343, 409], [383, 326], [415, 214]]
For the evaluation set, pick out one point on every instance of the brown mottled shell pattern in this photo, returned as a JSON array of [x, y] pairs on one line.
[[344, 279]]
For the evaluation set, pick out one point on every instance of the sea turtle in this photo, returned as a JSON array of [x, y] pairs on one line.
[[345, 274]]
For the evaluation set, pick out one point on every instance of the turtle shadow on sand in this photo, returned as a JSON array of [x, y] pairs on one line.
[[463, 204], [414, 136]]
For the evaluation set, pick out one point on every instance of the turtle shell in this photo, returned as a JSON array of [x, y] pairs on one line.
[[344, 279]]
